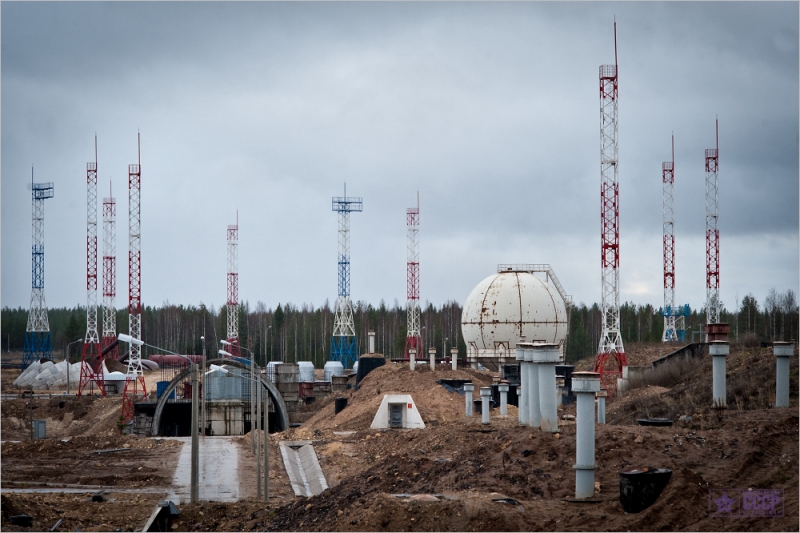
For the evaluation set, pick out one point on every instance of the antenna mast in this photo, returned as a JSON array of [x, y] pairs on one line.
[[413, 339], [712, 233], [233, 288], [109, 274]]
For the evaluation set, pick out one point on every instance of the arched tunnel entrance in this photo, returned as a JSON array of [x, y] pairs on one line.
[[173, 416]]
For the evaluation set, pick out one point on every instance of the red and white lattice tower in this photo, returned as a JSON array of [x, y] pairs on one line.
[[109, 275], [233, 289], [712, 234], [134, 379], [668, 177], [91, 362], [610, 360], [413, 339]]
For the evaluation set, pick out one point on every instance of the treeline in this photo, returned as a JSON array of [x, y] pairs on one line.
[[303, 333]]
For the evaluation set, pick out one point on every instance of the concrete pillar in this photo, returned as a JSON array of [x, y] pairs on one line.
[[601, 406], [522, 390], [486, 397], [532, 396], [503, 388], [585, 385], [545, 357], [559, 389], [432, 355], [454, 358], [783, 352], [468, 388], [371, 336], [719, 352], [412, 356]]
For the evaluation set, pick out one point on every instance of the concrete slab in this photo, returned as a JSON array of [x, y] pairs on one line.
[[219, 474]]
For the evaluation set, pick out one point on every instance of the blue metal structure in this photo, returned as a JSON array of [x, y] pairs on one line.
[[344, 347], [38, 344], [680, 311]]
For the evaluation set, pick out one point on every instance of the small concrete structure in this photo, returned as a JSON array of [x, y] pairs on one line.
[[432, 356], [545, 356], [397, 411], [412, 358], [302, 467], [371, 344], [560, 387], [503, 389], [486, 397], [601, 406], [468, 388], [585, 385], [783, 352], [454, 358], [719, 352], [533, 396]]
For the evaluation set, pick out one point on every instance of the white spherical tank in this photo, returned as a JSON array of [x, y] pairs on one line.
[[505, 306]]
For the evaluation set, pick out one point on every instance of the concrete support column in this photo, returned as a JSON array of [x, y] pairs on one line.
[[503, 389], [585, 385], [545, 357], [454, 358], [468, 388], [412, 356], [601, 406], [371, 336], [719, 352], [533, 394], [559, 389], [522, 390], [432, 355], [783, 352], [486, 397]]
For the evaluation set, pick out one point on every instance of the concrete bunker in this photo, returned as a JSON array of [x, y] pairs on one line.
[[397, 411]]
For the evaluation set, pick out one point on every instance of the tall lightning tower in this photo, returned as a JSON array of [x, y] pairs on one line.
[[134, 376], [233, 288], [413, 339], [91, 343], [109, 274], [674, 317], [712, 233], [610, 359], [344, 347], [37, 335]]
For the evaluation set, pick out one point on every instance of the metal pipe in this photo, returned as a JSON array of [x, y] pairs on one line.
[[585, 385], [195, 490], [203, 398], [412, 355], [503, 388], [486, 397], [454, 358], [533, 394], [522, 389], [783, 351], [601, 406], [266, 446], [545, 357], [468, 388], [257, 438], [719, 352]]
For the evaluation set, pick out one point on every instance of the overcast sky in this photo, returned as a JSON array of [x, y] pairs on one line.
[[491, 111]]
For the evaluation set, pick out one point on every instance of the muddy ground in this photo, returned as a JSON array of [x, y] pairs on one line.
[[447, 476]]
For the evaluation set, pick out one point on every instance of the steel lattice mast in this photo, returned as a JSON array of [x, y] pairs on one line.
[[344, 347], [712, 233], [134, 376], [668, 178], [109, 274], [37, 334], [610, 346], [233, 288], [92, 364], [413, 339]]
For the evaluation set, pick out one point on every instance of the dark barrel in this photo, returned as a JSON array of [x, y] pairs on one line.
[[339, 404], [639, 488], [367, 365]]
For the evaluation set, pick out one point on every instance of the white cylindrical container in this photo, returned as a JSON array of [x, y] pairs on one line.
[[585, 385], [412, 358], [333, 368], [503, 389], [522, 400], [454, 358], [486, 397], [783, 352], [532, 397], [601, 406], [719, 352], [371, 336], [305, 370], [545, 357], [468, 388], [432, 355]]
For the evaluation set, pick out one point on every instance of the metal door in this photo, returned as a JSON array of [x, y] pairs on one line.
[[396, 415]]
